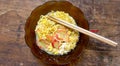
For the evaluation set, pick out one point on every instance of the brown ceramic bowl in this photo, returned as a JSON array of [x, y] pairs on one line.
[[31, 23]]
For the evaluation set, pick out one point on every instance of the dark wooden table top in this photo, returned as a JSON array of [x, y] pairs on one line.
[[102, 15]]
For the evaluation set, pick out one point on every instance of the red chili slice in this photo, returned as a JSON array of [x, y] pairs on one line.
[[53, 42], [58, 38], [94, 30], [50, 38]]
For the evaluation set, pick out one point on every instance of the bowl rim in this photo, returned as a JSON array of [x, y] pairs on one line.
[[35, 46]]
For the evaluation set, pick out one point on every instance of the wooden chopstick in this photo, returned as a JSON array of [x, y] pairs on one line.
[[84, 31]]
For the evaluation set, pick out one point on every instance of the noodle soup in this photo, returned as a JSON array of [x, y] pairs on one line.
[[54, 38]]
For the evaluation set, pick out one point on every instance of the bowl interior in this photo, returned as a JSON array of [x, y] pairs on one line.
[[31, 23]]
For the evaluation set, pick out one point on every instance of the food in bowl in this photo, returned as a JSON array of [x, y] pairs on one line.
[[54, 38], [30, 34]]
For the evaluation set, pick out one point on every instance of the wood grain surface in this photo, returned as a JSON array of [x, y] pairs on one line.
[[103, 15]]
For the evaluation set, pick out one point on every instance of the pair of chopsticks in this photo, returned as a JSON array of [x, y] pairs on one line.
[[84, 31]]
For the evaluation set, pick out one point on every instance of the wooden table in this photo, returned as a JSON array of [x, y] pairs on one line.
[[103, 15]]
